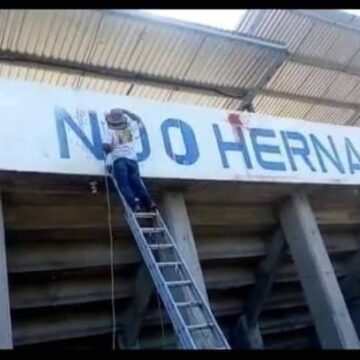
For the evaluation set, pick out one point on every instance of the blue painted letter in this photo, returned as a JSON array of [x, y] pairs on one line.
[[301, 151], [231, 146], [350, 149], [261, 148], [192, 151], [335, 159], [145, 145], [63, 117]]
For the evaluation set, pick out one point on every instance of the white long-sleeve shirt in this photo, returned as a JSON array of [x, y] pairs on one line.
[[123, 141]]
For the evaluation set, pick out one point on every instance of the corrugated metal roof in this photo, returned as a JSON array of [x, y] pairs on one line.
[[307, 80], [297, 109], [303, 35], [109, 42], [281, 107], [323, 63], [129, 53]]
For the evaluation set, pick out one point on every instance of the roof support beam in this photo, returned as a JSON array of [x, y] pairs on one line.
[[326, 302], [6, 341], [144, 288], [349, 284], [265, 278], [247, 337], [247, 326], [248, 107], [248, 99]]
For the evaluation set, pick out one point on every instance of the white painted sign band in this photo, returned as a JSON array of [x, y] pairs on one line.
[[45, 129]]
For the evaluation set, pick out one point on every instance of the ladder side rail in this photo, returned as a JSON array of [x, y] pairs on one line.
[[147, 251], [207, 311], [166, 295], [184, 335]]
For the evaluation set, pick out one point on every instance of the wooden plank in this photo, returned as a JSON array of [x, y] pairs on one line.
[[144, 288], [327, 305], [6, 341]]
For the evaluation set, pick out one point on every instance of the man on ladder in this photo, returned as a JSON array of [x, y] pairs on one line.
[[192, 319], [122, 132]]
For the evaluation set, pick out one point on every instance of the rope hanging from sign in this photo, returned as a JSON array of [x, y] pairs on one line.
[[112, 275]]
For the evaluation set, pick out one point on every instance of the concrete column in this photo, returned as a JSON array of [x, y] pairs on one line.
[[173, 209], [327, 305], [6, 341]]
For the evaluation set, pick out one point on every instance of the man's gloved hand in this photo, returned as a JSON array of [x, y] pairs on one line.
[[109, 168]]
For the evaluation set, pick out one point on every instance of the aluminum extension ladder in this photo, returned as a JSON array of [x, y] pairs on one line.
[[192, 319]]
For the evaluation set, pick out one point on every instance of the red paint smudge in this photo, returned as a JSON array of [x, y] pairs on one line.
[[235, 120], [237, 124]]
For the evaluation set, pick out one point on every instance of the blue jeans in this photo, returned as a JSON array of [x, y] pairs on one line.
[[128, 178]]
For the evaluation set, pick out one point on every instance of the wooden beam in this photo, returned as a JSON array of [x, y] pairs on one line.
[[264, 279], [144, 288], [6, 341], [326, 302], [247, 325]]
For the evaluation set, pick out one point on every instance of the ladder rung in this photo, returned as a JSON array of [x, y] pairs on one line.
[[160, 246], [144, 214], [178, 283], [200, 326], [188, 304], [149, 230], [169, 263]]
